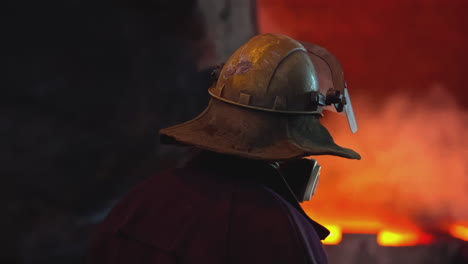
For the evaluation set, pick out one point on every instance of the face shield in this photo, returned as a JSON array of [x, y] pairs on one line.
[[333, 92]]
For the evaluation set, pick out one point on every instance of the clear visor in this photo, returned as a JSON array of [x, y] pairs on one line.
[[327, 81]]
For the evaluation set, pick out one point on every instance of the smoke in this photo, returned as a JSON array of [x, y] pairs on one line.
[[413, 167]]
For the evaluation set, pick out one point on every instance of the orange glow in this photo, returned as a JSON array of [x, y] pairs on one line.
[[414, 156], [459, 231], [404, 239], [335, 235], [398, 183], [347, 223]]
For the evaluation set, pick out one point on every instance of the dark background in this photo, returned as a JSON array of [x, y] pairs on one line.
[[87, 85]]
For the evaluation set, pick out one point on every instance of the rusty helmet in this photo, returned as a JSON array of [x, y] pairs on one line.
[[267, 102]]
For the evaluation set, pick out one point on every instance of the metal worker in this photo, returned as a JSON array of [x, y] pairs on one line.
[[237, 201]]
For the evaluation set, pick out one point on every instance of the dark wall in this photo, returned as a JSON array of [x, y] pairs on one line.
[[86, 86]]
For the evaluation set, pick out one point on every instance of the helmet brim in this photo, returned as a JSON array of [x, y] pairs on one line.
[[233, 130]]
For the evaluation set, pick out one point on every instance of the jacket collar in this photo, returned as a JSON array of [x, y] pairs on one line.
[[258, 171]]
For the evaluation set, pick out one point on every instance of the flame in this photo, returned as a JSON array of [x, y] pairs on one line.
[[402, 239], [335, 235], [459, 231]]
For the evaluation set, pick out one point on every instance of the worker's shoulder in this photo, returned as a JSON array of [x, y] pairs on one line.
[[154, 196], [264, 229], [160, 209], [138, 198], [174, 207]]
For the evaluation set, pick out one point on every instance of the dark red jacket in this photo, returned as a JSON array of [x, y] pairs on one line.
[[210, 212]]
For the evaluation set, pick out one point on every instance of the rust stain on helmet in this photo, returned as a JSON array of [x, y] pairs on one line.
[[242, 67]]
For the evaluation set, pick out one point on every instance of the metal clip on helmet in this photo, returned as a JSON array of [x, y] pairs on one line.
[[333, 90], [267, 101]]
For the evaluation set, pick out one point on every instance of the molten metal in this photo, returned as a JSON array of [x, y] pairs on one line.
[[335, 235], [459, 231], [397, 239]]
